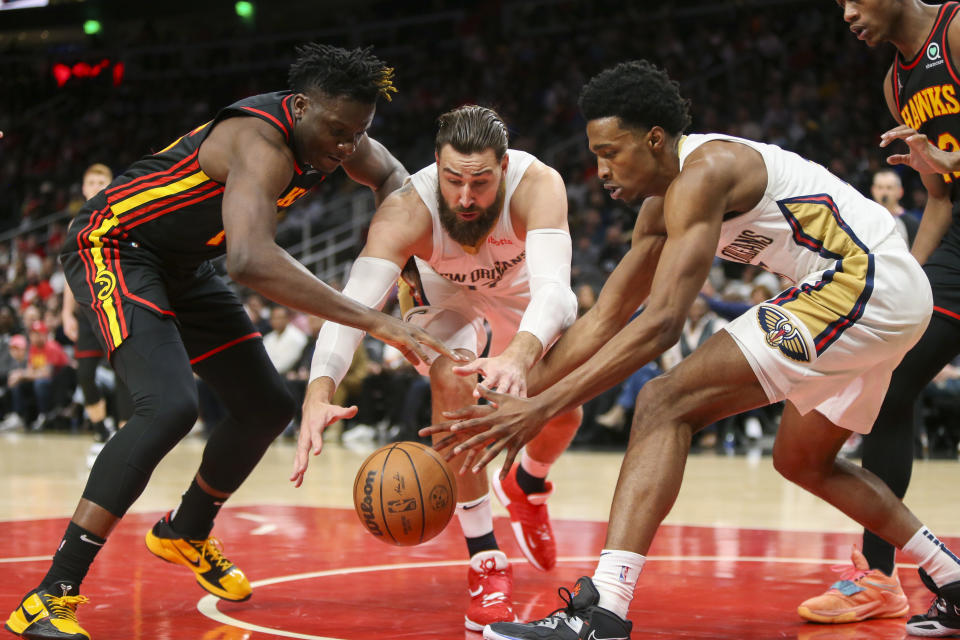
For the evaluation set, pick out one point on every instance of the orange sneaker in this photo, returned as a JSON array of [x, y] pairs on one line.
[[528, 518], [860, 594]]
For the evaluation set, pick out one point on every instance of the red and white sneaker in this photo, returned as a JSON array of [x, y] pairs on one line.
[[529, 519], [490, 580]]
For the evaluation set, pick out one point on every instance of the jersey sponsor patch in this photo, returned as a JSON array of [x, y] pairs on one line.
[[781, 332]]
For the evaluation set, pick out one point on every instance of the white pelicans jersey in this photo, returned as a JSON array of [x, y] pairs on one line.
[[857, 301], [498, 267]]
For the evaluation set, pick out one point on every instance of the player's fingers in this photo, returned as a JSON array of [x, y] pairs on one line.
[[297, 480], [467, 462], [517, 389], [439, 347], [347, 412], [487, 392], [898, 130], [491, 396], [469, 411], [510, 458], [444, 446], [900, 158], [440, 427], [494, 381], [299, 467], [474, 442], [470, 368], [488, 455], [409, 353], [469, 426]]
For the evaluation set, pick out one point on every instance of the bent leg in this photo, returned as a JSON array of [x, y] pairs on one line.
[[448, 391], [155, 367], [259, 406], [715, 381], [888, 449], [805, 452]]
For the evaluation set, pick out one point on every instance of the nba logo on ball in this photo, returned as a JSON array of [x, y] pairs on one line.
[[404, 493]]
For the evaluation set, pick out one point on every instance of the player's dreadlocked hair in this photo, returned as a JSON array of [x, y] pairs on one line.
[[638, 93], [472, 129], [356, 74]]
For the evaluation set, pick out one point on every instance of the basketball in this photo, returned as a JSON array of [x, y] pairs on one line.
[[405, 493]]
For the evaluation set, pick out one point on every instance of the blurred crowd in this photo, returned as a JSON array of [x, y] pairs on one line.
[[784, 72]]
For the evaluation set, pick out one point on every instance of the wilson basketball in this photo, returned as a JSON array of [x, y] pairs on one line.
[[405, 493]]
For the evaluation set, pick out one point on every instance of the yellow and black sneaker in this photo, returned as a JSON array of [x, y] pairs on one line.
[[49, 614], [205, 558]]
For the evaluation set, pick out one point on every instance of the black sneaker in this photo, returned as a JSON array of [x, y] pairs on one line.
[[942, 619], [49, 614], [581, 619]]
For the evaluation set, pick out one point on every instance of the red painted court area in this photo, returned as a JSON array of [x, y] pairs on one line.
[[317, 574]]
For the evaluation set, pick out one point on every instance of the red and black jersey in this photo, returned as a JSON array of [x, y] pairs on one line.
[[927, 94], [927, 88], [166, 204]]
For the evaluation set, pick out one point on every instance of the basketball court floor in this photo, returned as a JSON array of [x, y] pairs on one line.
[[740, 550]]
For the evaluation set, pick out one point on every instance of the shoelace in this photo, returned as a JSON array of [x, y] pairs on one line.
[[848, 573], [563, 612], [65, 606], [530, 517], [212, 550], [494, 597], [937, 607]]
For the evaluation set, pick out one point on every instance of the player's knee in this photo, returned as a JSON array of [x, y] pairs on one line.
[[270, 407], [178, 409], [796, 467], [652, 401], [443, 380]]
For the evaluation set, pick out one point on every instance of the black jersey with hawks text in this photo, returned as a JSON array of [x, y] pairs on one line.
[[927, 94], [165, 203]]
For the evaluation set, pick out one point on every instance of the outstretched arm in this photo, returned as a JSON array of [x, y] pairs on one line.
[[538, 209], [622, 293], [693, 211], [400, 228]]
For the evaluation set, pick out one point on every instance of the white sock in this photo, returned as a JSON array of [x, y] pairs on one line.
[[476, 517], [615, 578], [534, 467], [940, 563]]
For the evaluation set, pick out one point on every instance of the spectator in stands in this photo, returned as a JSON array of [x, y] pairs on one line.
[[887, 189], [258, 312], [586, 298], [17, 350], [285, 342], [41, 375]]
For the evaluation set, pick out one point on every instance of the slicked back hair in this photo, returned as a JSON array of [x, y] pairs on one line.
[[638, 93], [355, 73], [472, 129]]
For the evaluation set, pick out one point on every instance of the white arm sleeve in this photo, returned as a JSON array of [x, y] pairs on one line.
[[553, 305], [371, 279]]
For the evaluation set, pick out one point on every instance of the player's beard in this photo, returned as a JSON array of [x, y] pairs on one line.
[[470, 232]]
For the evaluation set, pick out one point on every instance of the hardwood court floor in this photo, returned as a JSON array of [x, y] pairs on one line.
[[741, 549]]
